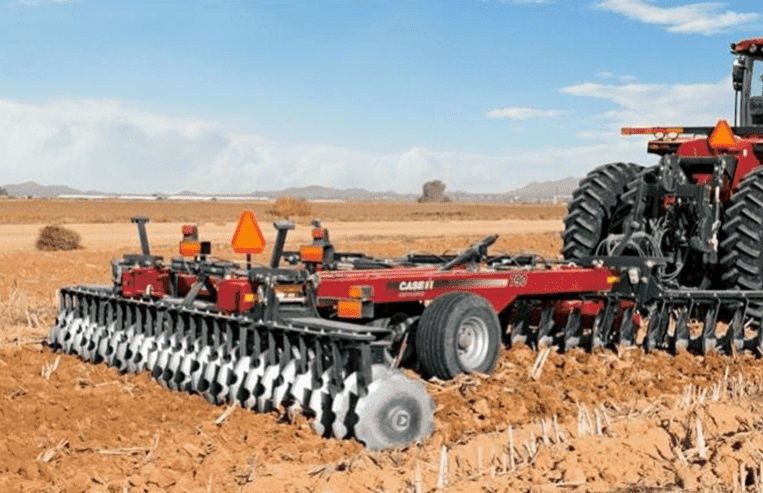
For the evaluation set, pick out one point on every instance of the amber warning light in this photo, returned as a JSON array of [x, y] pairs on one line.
[[190, 248], [349, 308], [190, 245], [311, 253], [248, 237]]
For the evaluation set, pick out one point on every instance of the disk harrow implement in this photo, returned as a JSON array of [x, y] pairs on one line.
[[267, 357], [326, 336], [322, 368]]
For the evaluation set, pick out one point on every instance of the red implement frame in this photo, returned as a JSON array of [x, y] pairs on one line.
[[499, 287]]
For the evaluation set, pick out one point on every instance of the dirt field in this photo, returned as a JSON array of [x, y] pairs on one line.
[[591, 422]]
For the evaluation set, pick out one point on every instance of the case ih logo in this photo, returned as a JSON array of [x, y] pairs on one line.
[[425, 285], [415, 285]]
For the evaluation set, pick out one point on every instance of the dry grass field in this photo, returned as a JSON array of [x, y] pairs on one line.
[[590, 422], [23, 211]]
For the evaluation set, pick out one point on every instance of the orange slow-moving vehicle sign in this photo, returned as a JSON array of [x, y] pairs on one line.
[[248, 237]]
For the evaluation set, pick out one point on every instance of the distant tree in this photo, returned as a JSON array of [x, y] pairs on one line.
[[288, 206], [3, 192], [433, 191]]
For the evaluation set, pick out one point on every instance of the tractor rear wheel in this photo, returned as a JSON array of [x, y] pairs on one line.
[[742, 242], [458, 333], [590, 211]]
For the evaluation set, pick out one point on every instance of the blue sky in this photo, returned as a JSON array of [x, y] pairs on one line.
[[232, 97]]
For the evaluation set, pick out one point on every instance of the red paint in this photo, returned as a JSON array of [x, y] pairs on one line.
[[745, 44], [743, 151], [235, 295], [499, 288], [151, 281]]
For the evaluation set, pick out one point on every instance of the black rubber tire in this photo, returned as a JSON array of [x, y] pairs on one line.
[[741, 244], [589, 212], [437, 337]]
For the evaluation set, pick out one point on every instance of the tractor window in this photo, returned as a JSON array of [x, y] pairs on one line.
[[756, 85]]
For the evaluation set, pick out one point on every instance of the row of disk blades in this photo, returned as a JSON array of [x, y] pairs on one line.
[[390, 409]]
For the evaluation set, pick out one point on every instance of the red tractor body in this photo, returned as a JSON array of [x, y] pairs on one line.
[[697, 211]]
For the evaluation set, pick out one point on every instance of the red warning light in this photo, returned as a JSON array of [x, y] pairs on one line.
[[248, 237]]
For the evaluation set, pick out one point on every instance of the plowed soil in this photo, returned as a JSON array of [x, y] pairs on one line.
[[607, 421]]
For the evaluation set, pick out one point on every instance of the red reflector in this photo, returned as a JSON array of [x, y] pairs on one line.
[[189, 229], [311, 253], [349, 308], [318, 233]]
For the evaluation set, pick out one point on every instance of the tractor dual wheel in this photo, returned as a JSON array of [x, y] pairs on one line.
[[742, 237], [589, 213], [458, 333]]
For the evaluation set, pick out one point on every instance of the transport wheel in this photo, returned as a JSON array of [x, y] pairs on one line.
[[458, 333], [395, 412], [589, 213], [741, 245]]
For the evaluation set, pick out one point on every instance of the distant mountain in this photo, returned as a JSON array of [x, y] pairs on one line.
[[316, 192], [33, 188], [544, 191]]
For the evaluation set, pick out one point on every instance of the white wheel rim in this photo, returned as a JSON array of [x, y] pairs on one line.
[[472, 343]]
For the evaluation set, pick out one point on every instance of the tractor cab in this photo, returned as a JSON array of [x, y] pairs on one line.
[[747, 79]]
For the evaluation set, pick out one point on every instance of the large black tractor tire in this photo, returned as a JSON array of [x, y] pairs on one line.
[[458, 333], [741, 244], [589, 213]]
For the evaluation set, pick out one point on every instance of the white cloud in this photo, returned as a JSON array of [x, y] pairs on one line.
[[645, 105], [102, 144], [110, 146], [662, 104], [593, 135], [606, 74], [703, 18], [521, 113]]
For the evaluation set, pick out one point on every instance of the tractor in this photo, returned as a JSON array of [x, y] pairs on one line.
[[698, 212]]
